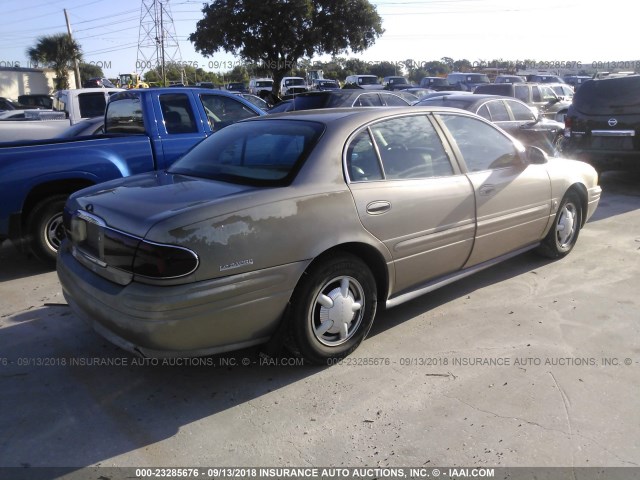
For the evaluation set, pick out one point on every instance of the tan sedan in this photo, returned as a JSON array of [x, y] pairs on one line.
[[301, 224]]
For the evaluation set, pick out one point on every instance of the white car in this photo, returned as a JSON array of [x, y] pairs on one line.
[[292, 85]]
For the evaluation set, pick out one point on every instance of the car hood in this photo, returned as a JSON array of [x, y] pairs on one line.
[[135, 204]]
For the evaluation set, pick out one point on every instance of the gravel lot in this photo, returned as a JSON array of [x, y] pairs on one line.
[[530, 363]]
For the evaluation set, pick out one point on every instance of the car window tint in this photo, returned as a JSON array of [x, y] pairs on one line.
[[535, 94], [260, 153], [410, 148], [483, 147], [177, 113], [124, 114], [362, 160], [91, 104], [393, 100], [498, 111], [522, 93], [223, 111], [521, 112], [368, 100], [483, 111]]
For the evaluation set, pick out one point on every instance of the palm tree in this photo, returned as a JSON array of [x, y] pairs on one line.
[[59, 52]]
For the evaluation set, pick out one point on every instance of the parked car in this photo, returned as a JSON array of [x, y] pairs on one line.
[[419, 91], [340, 98], [509, 79], [367, 207], [437, 84], [260, 86], [6, 104], [544, 78], [36, 101], [467, 81], [563, 91], [236, 87], [533, 94], [292, 86], [98, 82], [146, 130], [575, 80], [324, 84], [205, 85], [512, 115], [395, 83], [368, 82], [602, 126]]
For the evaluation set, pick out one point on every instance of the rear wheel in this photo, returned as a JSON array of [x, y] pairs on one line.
[[564, 233], [45, 228], [332, 309]]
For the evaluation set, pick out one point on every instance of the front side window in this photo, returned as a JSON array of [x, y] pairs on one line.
[[483, 147], [410, 148], [223, 111], [393, 100]]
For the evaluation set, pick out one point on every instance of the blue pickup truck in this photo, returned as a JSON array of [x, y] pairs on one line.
[[145, 130]]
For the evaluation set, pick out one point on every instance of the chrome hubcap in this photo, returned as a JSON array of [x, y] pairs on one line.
[[54, 232], [566, 226], [337, 311]]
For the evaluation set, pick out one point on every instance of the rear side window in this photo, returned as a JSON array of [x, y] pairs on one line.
[[498, 111], [91, 104], [410, 148], [124, 115], [609, 96], [177, 113], [483, 147], [368, 100]]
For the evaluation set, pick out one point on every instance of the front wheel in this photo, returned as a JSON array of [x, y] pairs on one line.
[[564, 233], [332, 309], [45, 228]]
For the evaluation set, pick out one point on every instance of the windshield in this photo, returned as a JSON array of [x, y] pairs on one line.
[[255, 153], [294, 81], [477, 78], [264, 84]]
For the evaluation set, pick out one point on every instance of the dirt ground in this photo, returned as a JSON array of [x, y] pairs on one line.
[[530, 363]]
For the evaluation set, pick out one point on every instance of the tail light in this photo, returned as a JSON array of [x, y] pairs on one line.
[[93, 241], [568, 122]]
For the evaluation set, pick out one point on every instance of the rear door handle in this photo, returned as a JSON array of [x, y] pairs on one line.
[[487, 190], [378, 207]]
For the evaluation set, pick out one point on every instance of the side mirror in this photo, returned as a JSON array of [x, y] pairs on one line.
[[536, 156]]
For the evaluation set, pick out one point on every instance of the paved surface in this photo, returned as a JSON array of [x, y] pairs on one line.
[[520, 365]]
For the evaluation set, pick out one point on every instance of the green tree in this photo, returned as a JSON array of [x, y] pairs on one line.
[[59, 52], [277, 34]]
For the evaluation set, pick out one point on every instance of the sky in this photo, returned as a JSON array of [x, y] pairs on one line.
[[571, 31]]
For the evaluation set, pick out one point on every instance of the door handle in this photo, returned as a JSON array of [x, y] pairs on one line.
[[487, 190], [378, 207]]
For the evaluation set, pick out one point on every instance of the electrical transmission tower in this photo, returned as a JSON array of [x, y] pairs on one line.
[[157, 40]]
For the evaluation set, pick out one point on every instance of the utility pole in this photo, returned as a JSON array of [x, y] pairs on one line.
[[164, 71], [76, 70]]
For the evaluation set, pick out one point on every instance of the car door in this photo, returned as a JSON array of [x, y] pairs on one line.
[[513, 198], [412, 197]]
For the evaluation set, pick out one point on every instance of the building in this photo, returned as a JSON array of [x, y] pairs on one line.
[[15, 81]]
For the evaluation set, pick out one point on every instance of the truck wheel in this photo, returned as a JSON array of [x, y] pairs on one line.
[[45, 228]]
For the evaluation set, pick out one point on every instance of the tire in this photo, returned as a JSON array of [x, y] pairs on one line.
[[332, 309], [45, 228], [565, 229]]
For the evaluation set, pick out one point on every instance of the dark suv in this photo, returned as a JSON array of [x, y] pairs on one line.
[[535, 95], [437, 83], [602, 126]]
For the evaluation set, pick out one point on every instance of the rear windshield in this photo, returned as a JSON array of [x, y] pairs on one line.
[[496, 88], [254, 153], [604, 97], [443, 102]]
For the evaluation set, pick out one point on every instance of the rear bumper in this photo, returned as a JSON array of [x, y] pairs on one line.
[[604, 159], [195, 319]]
